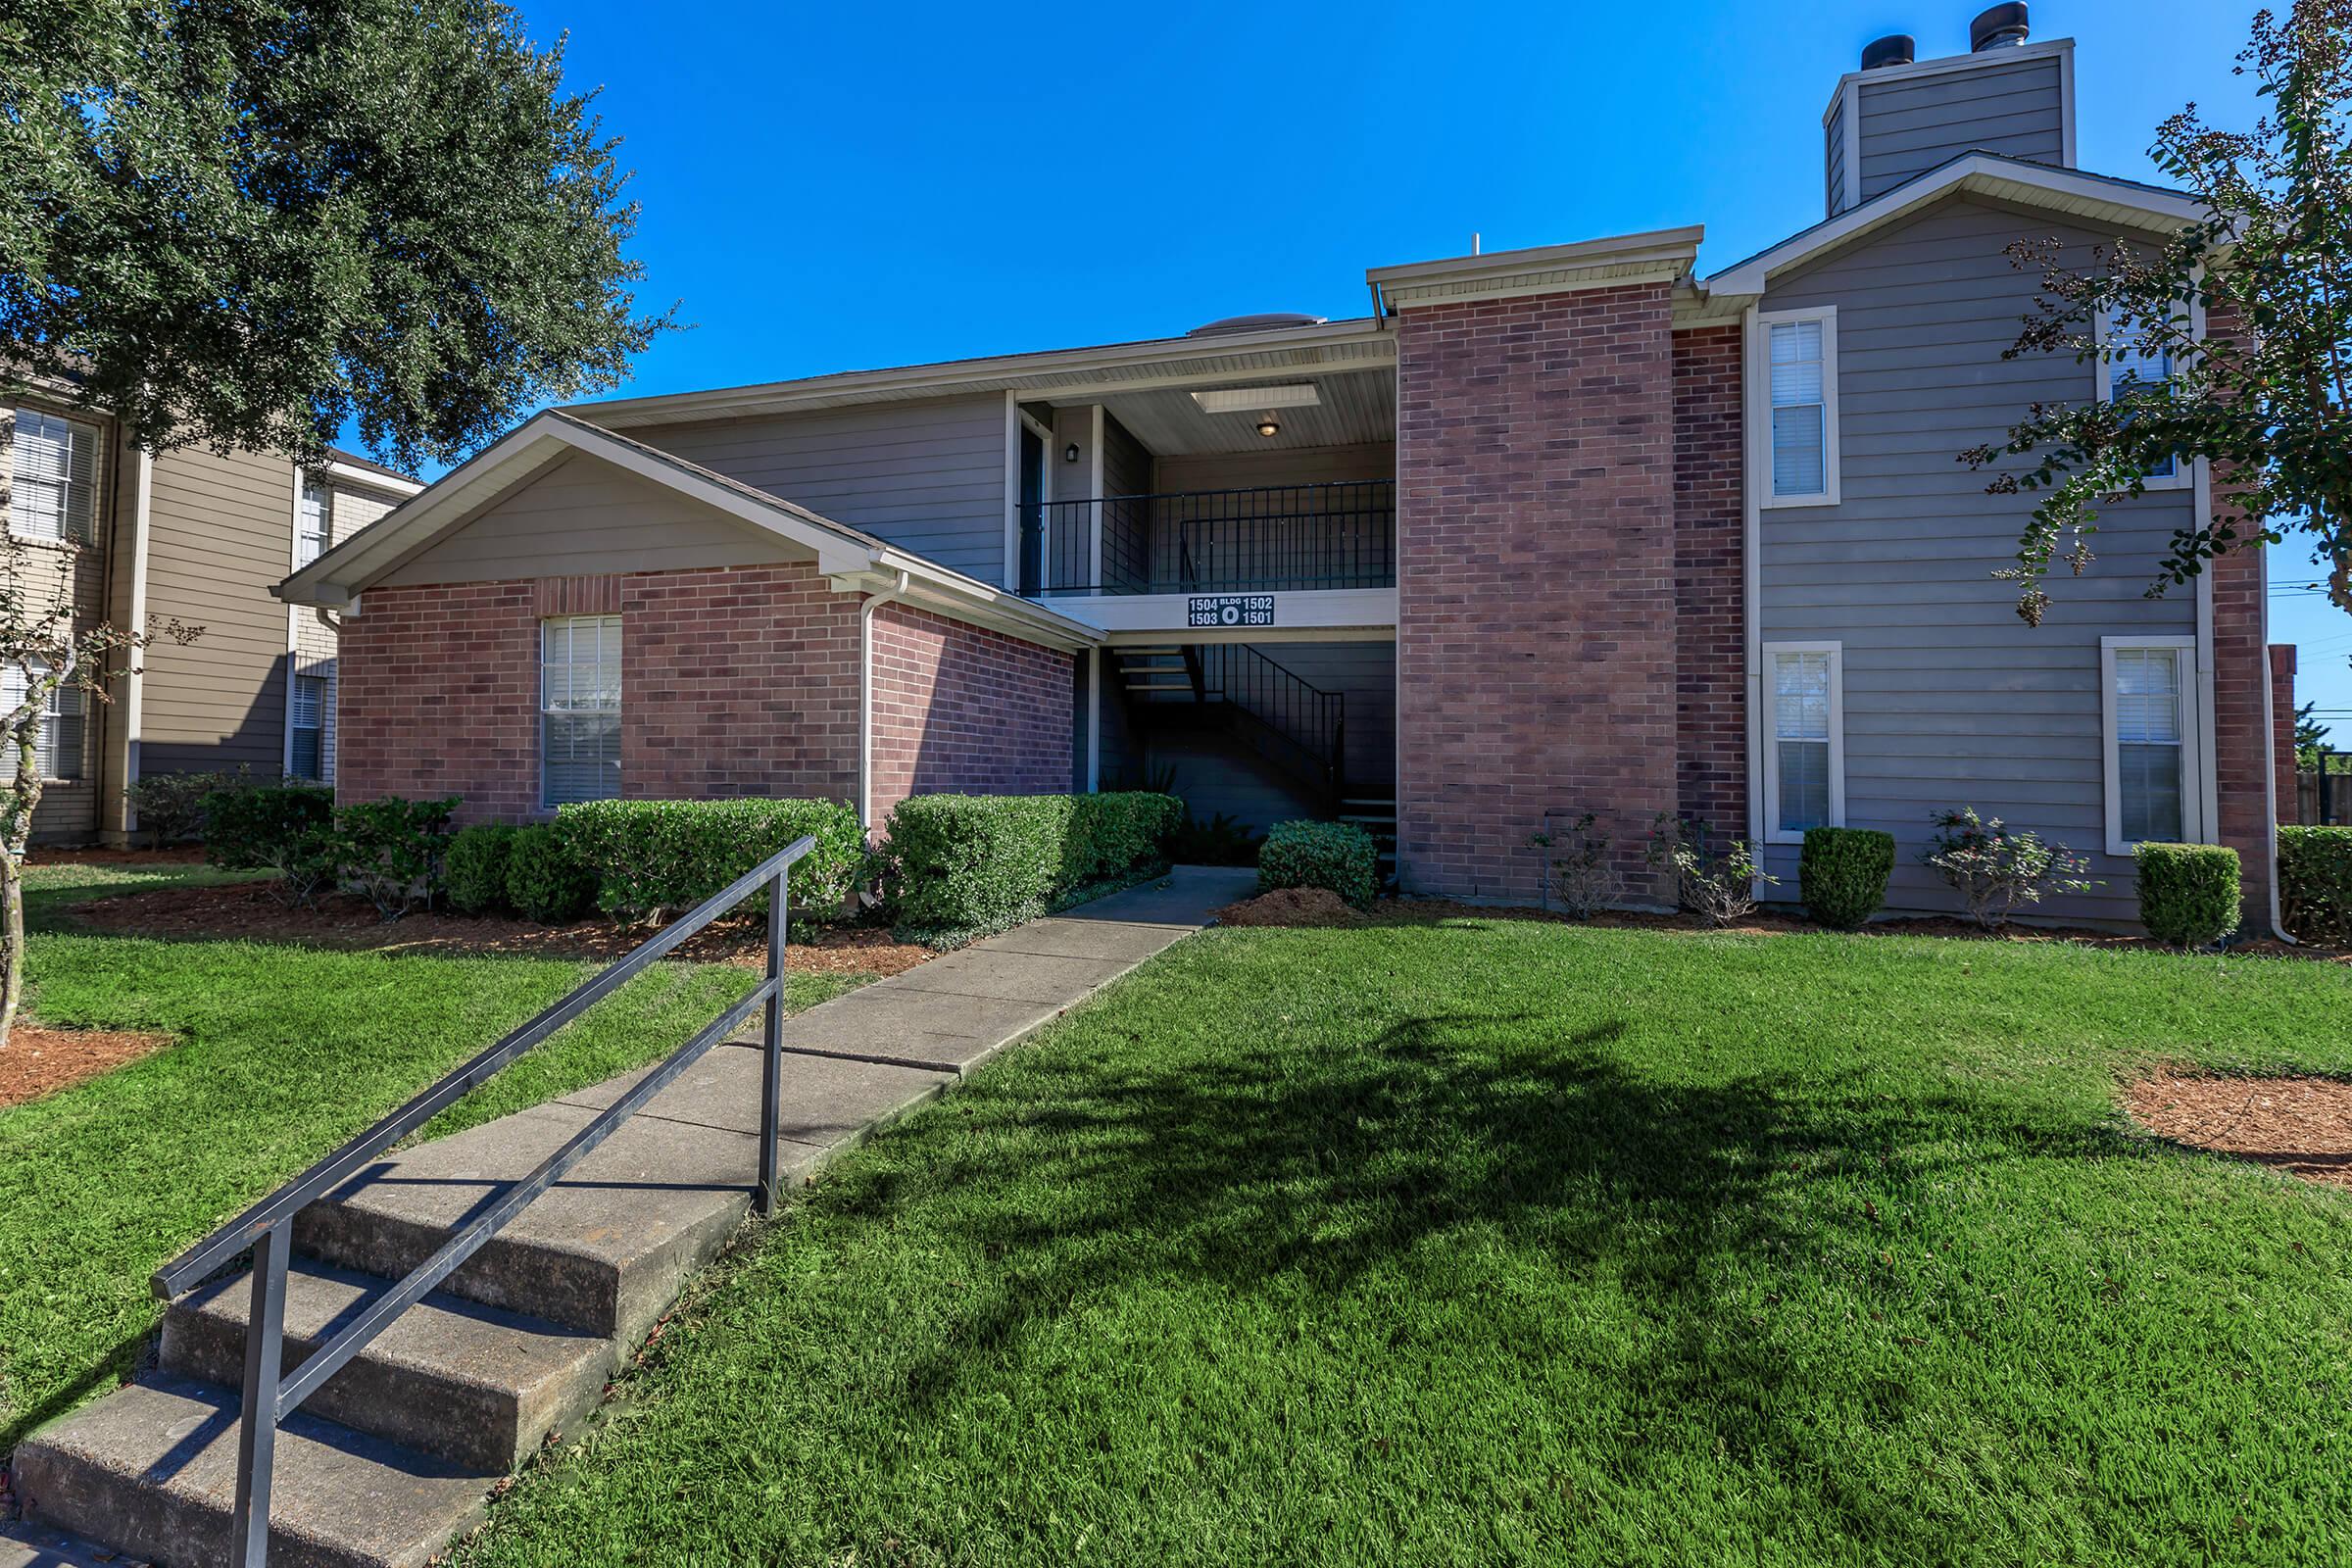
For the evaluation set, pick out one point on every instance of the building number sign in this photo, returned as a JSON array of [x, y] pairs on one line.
[[1231, 609]]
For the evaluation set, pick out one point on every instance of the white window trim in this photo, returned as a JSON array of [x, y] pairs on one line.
[[1769, 750], [2183, 474], [539, 743], [306, 480], [1759, 401], [66, 539], [2196, 828]]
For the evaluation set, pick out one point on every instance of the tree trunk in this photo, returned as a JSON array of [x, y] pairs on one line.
[[12, 942]]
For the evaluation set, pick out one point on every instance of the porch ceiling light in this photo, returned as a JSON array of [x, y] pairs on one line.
[[1269, 427], [1258, 399]]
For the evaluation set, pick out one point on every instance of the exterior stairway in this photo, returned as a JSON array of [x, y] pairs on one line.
[[1296, 727], [1377, 817]]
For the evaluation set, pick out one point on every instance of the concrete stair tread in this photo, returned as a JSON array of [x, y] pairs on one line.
[[470, 1383], [152, 1469], [824, 1103], [604, 1250]]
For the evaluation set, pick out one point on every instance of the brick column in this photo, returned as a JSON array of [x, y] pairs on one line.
[[1709, 575], [2282, 727], [1535, 657]]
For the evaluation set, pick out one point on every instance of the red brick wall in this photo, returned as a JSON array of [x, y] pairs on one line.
[[962, 709], [2241, 682], [741, 681], [738, 681], [1535, 658], [1710, 571]]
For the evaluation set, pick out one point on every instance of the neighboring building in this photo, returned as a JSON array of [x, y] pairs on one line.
[[197, 537], [1575, 529]]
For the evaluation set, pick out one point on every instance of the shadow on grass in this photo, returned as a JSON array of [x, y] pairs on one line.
[[1297, 1171]]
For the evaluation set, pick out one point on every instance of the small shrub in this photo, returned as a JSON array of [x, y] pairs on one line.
[[1340, 857], [389, 850], [1842, 874], [286, 828], [1220, 841], [1995, 871], [967, 864], [1717, 884], [475, 867], [2188, 893], [2315, 884], [171, 806], [654, 858], [545, 881], [1579, 868]]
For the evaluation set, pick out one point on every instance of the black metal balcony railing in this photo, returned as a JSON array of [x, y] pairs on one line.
[[1341, 535]]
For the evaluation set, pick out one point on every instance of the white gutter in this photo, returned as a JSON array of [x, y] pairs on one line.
[[865, 698], [134, 671]]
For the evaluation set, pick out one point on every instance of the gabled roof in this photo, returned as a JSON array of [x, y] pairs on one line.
[[2068, 192], [337, 578]]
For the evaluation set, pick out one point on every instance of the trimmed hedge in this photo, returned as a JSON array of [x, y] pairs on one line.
[[2188, 893], [2315, 884], [475, 867], [389, 850], [544, 881], [251, 828], [1339, 856], [654, 857], [967, 864], [1842, 874]]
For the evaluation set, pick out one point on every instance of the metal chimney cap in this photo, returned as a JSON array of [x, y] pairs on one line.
[[1998, 26], [1895, 49]]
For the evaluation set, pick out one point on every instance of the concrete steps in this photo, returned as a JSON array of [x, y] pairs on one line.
[[392, 1458], [451, 1378], [151, 1470]]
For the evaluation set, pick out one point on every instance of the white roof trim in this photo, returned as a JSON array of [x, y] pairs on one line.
[[1659, 256], [367, 479], [336, 579], [1276, 354], [2091, 197]]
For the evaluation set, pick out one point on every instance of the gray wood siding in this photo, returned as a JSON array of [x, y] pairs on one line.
[[583, 517], [1833, 160], [1126, 471], [927, 477], [314, 643], [1239, 470], [1911, 125], [222, 532], [1950, 700]]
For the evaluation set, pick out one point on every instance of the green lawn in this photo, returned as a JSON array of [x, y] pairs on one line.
[[1507, 1241], [279, 1054]]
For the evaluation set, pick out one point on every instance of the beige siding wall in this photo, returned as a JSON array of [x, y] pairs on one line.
[[584, 517], [315, 641], [222, 532], [68, 809]]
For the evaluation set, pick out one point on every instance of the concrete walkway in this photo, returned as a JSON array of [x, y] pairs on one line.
[[393, 1456]]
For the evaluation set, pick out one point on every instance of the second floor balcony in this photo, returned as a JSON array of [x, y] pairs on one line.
[[1264, 540]]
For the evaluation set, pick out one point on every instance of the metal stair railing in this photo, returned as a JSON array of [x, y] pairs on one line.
[[266, 1230], [1303, 720]]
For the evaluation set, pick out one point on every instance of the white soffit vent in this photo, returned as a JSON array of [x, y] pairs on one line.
[[1256, 399]]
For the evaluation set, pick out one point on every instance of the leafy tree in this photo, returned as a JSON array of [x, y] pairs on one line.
[[2266, 397], [245, 223], [42, 653]]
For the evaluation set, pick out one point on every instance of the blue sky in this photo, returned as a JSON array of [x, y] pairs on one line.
[[829, 187]]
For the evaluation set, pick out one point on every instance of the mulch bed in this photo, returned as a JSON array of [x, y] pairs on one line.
[[39, 1062], [1294, 906], [250, 910], [2300, 1125]]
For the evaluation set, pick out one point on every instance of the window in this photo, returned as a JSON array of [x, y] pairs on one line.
[[59, 754], [55, 493], [1798, 353], [314, 523], [2132, 366], [579, 709], [1805, 711], [2153, 794], [306, 750]]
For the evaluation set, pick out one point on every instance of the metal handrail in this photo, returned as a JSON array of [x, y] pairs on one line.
[[1294, 710], [266, 1230], [1335, 534]]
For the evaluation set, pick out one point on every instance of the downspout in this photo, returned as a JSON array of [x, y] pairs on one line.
[[866, 697]]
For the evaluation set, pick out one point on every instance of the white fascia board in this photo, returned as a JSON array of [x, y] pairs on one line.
[[1050, 370], [932, 586], [343, 572], [367, 478], [1979, 173], [1321, 615], [1662, 255]]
